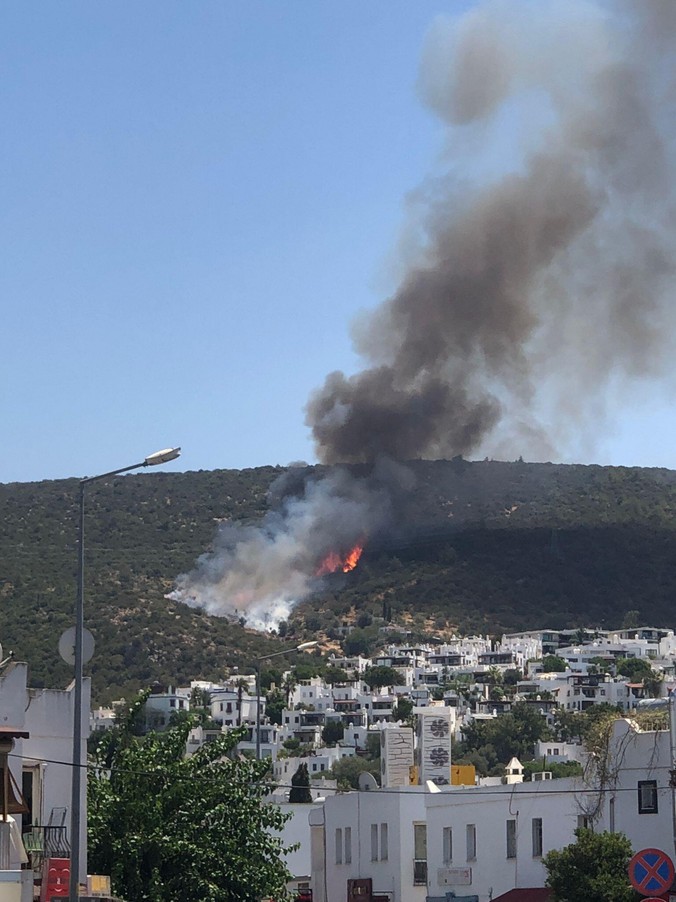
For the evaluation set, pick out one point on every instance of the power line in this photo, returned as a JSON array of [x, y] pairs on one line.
[[412, 790]]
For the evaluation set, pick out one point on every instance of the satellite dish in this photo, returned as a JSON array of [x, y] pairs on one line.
[[67, 646], [367, 782]]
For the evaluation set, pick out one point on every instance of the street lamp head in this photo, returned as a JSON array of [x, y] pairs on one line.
[[162, 457], [305, 645]]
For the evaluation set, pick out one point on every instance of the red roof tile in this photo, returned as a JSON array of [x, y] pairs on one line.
[[526, 894]]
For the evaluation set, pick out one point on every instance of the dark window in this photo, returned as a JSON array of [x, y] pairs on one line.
[[420, 855], [647, 797], [537, 837], [419, 873]]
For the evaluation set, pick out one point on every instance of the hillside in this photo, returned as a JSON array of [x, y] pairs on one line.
[[478, 546]]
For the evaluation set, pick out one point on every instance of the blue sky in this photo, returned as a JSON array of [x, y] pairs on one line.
[[198, 199]]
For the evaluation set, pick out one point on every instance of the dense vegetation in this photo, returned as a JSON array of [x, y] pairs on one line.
[[167, 827], [478, 547]]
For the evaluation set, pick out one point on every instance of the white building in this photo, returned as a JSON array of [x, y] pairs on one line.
[[40, 764], [369, 834], [162, 704], [487, 840]]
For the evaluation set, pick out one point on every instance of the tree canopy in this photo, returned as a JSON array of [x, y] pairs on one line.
[[381, 675], [554, 664], [489, 744], [635, 668], [168, 827], [592, 869], [300, 785]]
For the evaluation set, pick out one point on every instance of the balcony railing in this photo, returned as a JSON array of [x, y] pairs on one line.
[[46, 842]]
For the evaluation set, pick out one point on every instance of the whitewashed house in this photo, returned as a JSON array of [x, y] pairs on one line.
[[40, 764], [487, 840]]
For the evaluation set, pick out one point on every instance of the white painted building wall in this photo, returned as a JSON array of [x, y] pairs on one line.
[[488, 840], [47, 715], [367, 834]]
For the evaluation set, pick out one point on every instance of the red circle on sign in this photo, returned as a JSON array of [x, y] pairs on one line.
[[651, 871]]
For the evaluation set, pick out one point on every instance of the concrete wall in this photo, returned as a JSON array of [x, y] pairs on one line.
[[47, 714], [358, 811]]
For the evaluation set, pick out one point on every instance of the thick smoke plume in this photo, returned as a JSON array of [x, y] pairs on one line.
[[539, 292], [544, 282]]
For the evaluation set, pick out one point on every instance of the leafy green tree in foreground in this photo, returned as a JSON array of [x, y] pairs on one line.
[[592, 869], [167, 827]]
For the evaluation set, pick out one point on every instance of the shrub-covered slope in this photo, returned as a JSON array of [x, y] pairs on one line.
[[482, 546]]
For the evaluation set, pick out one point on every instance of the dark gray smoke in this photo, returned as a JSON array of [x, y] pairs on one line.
[[541, 292], [544, 284]]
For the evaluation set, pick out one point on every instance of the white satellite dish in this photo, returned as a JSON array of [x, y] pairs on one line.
[[67, 646], [367, 782]]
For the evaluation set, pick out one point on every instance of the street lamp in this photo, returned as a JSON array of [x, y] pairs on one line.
[[285, 651], [159, 457]]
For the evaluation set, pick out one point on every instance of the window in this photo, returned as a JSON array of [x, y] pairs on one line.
[[383, 842], [420, 854], [536, 827], [647, 797], [583, 821], [511, 839], [611, 815], [448, 845], [374, 842], [339, 846], [348, 845], [471, 842]]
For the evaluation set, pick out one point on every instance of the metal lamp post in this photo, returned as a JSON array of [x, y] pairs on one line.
[[302, 647], [159, 457]]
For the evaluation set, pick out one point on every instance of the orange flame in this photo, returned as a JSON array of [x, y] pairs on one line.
[[334, 561]]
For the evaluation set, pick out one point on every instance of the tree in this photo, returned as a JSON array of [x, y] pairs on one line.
[[240, 685], [377, 677], [275, 703], [499, 739], [347, 771], [300, 786], [403, 710], [335, 675], [635, 668], [168, 827], [554, 664], [333, 732], [357, 643], [288, 685], [592, 869]]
